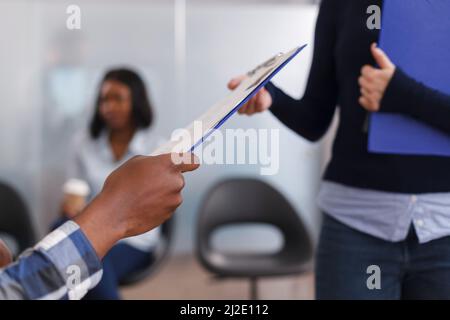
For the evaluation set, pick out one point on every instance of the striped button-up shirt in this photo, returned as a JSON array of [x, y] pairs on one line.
[[63, 265], [387, 215]]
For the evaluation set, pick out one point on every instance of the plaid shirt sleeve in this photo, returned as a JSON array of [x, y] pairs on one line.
[[63, 265]]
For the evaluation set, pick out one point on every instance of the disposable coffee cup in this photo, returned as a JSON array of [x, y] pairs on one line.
[[75, 195]]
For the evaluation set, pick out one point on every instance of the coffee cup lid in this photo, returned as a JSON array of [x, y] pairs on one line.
[[76, 187]]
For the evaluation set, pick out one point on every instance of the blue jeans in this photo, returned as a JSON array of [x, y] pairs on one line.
[[408, 270], [119, 262]]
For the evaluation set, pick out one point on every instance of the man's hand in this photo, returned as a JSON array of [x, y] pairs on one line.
[[373, 82], [258, 103], [137, 197], [5, 255]]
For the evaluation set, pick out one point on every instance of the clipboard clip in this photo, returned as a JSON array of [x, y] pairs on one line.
[[266, 64], [269, 63]]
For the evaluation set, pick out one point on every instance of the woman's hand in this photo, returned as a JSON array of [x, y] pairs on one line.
[[373, 82], [260, 102]]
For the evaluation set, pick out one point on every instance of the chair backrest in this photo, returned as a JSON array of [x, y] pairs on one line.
[[159, 255], [15, 219], [247, 200]]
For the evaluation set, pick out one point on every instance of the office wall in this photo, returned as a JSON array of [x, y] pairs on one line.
[[225, 40], [50, 76], [19, 117], [185, 50]]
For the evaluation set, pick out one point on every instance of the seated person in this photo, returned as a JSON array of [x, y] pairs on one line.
[[119, 130], [66, 263]]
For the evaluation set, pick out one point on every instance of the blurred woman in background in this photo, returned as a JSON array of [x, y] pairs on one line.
[[120, 129]]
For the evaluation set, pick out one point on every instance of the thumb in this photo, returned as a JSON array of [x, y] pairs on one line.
[[381, 58], [185, 162], [233, 83]]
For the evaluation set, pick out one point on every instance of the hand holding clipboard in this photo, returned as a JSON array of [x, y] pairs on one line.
[[244, 90]]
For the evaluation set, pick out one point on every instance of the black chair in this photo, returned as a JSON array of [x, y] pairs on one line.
[[159, 255], [243, 201], [15, 218]]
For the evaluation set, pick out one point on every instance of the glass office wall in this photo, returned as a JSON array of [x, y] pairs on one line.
[[226, 39], [186, 51]]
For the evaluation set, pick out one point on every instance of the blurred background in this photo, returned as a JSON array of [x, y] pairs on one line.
[[186, 51]]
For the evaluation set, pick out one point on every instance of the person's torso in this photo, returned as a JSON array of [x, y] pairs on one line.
[[351, 163], [97, 160]]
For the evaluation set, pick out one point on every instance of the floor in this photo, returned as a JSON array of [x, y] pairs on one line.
[[183, 278]]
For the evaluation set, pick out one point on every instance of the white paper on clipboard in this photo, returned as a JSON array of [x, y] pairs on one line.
[[215, 116]]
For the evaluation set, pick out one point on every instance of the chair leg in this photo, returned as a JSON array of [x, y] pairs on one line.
[[254, 288]]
